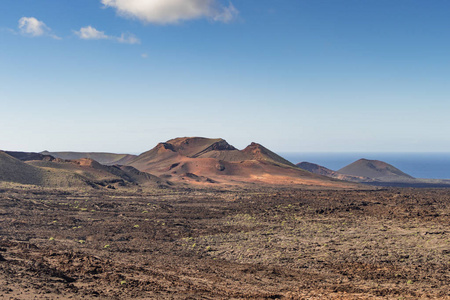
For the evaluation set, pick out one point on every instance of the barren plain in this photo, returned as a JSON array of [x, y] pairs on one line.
[[268, 243]]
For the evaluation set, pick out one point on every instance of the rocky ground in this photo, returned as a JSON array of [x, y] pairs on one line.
[[200, 244]]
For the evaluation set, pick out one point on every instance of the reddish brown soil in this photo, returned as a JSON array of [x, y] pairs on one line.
[[266, 244]]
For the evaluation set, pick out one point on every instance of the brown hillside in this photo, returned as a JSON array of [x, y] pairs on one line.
[[374, 169]]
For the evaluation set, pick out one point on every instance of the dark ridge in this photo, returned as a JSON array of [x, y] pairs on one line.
[[27, 156]]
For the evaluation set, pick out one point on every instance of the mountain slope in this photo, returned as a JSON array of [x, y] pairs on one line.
[[14, 170], [316, 169], [374, 169], [259, 152]]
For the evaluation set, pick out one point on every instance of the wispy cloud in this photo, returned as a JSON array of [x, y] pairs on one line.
[[227, 14], [173, 11], [90, 33], [128, 38], [30, 26]]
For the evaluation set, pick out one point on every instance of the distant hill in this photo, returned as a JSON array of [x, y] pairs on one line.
[[203, 161], [103, 158], [383, 175], [321, 170], [374, 169], [27, 156]]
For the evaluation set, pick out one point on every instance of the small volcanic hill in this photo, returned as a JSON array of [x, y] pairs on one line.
[[103, 158], [258, 152], [14, 170], [321, 170], [375, 169], [202, 160]]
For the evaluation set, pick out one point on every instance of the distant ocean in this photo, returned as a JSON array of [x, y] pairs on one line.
[[419, 165]]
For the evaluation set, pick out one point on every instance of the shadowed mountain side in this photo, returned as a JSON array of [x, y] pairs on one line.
[[321, 170], [374, 169], [143, 178], [16, 171], [202, 160], [102, 175], [103, 158], [26, 156]]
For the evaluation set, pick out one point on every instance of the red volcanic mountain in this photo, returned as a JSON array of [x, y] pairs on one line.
[[202, 160]]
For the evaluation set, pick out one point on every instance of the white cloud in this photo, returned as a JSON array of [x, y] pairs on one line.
[[173, 11], [33, 27], [144, 55], [90, 33]]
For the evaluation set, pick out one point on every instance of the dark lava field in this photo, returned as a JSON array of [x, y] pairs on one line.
[[207, 244]]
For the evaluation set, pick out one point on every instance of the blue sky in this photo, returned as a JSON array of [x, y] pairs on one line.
[[293, 75]]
